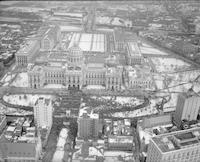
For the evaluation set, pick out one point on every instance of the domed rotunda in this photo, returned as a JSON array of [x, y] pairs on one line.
[[75, 55]]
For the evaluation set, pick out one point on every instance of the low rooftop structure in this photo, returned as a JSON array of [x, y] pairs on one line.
[[133, 49], [120, 143], [29, 46], [177, 140], [89, 42]]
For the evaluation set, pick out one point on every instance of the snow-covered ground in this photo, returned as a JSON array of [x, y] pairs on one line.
[[24, 100], [4, 110], [181, 82], [120, 100], [147, 49], [177, 83], [140, 112], [169, 64], [159, 80], [21, 80], [58, 155], [7, 78], [95, 87], [54, 86]]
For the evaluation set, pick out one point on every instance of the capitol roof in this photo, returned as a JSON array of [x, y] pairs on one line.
[[75, 50]]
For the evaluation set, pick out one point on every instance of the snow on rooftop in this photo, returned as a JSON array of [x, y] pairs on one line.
[[144, 134], [70, 28], [80, 15], [116, 153], [89, 42], [169, 64], [134, 49], [28, 47], [10, 129], [94, 152], [150, 50]]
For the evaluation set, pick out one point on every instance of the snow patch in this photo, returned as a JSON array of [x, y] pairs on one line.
[[21, 80], [24, 100]]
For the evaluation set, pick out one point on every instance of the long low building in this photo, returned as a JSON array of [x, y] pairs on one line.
[[134, 55], [120, 143]]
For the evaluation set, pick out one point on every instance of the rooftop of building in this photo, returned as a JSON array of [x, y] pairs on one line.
[[116, 71], [47, 31], [177, 140], [37, 68], [89, 42], [122, 36], [88, 152], [27, 47], [43, 101], [133, 49], [95, 65], [20, 130], [120, 139], [138, 73], [95, 59]]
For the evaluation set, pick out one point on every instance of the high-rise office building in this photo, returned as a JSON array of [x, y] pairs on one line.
[[179, 146], [43, 111], [88, 127], [187, 108]]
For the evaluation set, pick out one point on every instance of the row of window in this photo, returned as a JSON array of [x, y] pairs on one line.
[[52, 81], [10, 160], [21, 60], [140, 82], [54, 75], [93, 75], [94, 82], [75, 59]]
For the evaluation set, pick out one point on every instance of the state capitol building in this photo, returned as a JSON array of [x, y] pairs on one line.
[[81, 60]]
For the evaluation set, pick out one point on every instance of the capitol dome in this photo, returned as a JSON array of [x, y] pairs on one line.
[[75, 50], [75, 55]]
